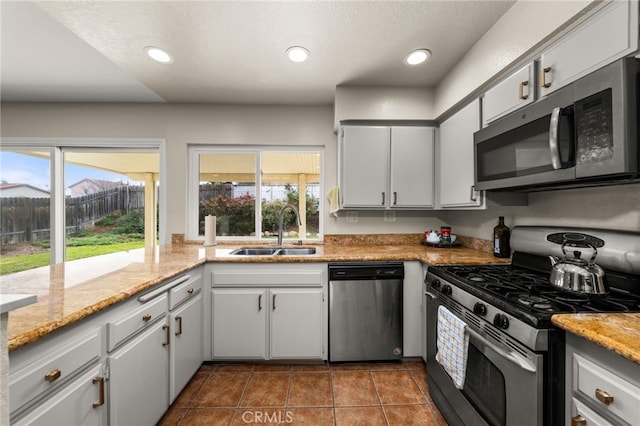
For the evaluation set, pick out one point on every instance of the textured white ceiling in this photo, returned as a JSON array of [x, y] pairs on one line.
[[230, 51]]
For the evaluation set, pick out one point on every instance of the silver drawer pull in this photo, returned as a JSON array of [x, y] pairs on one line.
[[603, 396]]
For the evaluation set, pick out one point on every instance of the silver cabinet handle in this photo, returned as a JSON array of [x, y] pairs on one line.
[[383, 198], [521, 94], [554, 148], [472, 195], [273, 303], [395, 198], [543, 77]]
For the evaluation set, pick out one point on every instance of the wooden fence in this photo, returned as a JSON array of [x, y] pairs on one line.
[[27, 219]]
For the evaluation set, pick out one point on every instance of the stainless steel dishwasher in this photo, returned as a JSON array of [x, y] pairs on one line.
[[365, 311]]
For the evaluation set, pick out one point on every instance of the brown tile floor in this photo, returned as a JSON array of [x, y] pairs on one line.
[[335, 394]]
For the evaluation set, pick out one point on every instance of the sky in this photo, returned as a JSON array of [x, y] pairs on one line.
[[19, 168]]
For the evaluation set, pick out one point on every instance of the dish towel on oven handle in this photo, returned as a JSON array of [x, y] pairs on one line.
[[453, 345]]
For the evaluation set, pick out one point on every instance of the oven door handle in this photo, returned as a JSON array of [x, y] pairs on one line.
[[515, 358]]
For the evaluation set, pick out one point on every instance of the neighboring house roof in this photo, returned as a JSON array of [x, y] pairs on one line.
[[91, 186], [11, 190]]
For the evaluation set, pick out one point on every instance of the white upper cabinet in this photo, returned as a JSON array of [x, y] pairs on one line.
[[608, 35], [512, 93], [386, 167], [455, 160], [412, 155], [364, 166]]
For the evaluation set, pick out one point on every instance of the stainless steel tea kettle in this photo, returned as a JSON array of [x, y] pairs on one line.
[[576, 274]]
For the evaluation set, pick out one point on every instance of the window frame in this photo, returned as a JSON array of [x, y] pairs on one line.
[[193, 183], [57, 148]]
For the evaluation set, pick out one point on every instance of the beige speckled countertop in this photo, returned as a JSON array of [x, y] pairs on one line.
[[617, 332], [74, 290]]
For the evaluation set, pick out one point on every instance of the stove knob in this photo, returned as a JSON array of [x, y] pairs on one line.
[[446, 290], [480, 309], [501, 321], [435, 283]]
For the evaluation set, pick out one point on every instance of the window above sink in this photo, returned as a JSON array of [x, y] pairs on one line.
[[245, 187]]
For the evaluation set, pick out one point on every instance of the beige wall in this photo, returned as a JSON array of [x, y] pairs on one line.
[[181, 125]]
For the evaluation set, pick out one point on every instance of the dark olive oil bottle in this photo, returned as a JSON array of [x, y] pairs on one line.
[[501, 234]]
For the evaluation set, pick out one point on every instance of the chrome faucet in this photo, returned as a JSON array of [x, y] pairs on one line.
[[295, 210]]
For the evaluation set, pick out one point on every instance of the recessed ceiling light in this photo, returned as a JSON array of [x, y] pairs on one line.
[[417, 56], [158, 54], [297, 53]]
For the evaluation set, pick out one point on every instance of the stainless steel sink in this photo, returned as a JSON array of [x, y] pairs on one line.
[[274, 251], [297, 251]]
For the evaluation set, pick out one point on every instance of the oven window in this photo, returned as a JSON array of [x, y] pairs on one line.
[[484, 387]]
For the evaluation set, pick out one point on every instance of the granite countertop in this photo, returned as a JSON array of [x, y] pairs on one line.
[[74, 290], [617, 332], [69, 292]]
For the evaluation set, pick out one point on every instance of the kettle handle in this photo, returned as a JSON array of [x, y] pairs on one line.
[[593, 256]]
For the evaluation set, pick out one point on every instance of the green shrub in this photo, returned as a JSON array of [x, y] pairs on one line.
[[131, 223]]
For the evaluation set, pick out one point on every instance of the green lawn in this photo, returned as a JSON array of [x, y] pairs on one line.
[[10, 265]]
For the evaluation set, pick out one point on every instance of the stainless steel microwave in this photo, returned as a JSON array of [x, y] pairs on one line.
[[583, 134]]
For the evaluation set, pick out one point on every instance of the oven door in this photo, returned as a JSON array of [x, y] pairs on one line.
[[534, 146], [502, 385]]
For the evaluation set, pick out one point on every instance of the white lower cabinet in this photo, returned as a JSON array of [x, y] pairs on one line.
[[79, 403], [239, 323], [186, 349], [412, 324], [286, 322], [139, 378], [296, 323], [269, 312], [602, 388]]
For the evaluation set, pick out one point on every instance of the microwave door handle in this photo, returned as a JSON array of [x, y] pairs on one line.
[[554, 147]]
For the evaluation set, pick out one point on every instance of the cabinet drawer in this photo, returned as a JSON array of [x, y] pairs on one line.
[[184, 291], [72, 405], [578, 409], [589, 377], [53, 368], [120, 330]]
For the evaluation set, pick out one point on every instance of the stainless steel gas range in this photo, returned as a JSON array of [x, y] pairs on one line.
[[514, 369]]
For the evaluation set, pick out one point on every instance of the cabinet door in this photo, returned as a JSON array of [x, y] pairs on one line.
[[139, 379], [412, 150], [239, 323], [605, 37], [73, 404], [297, 323], [456, 162], [512, 93], [186, 350], [364, 166]]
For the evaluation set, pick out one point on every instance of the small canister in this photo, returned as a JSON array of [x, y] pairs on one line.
[[445, 234]]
